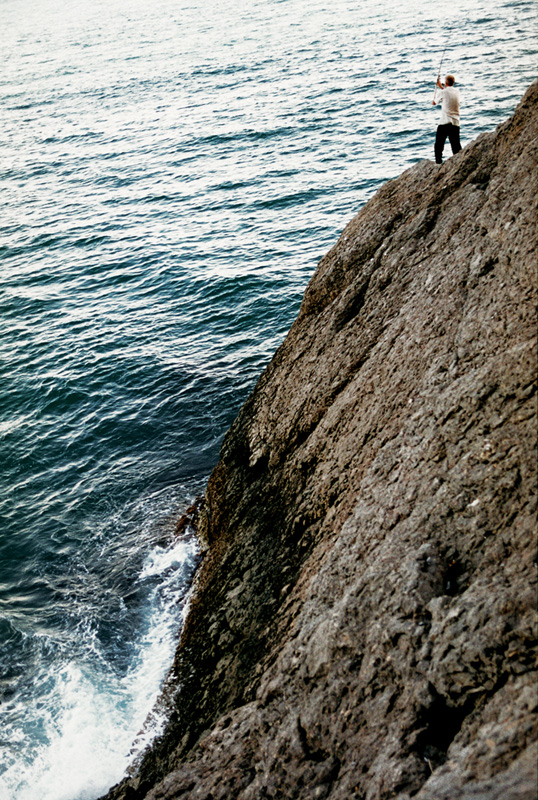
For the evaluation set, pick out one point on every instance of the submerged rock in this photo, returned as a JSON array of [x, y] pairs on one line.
[[364, 621]]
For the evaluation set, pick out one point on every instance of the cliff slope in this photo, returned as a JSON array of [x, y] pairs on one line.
[[364, 623]]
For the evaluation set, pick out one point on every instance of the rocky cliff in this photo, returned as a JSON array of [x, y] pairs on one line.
[[364, 621]]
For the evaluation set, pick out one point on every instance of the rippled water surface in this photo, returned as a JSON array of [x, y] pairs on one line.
[[170, 174]]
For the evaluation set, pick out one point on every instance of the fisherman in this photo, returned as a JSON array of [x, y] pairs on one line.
[[449, 124]]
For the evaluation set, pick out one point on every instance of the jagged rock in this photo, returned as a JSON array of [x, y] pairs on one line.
[[364, 623]]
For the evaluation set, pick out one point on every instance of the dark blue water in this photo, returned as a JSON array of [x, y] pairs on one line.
[[170, 175]]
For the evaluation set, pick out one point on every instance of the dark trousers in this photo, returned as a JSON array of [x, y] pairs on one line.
[[453, 133]]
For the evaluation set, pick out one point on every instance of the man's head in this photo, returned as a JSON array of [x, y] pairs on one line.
[[450, 80]]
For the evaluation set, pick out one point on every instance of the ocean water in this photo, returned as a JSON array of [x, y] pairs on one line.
[[170, 174]]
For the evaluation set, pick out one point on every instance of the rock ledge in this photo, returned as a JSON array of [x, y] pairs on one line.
[[364, 622]]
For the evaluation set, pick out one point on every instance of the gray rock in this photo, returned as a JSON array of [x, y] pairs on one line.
[[364, 622]]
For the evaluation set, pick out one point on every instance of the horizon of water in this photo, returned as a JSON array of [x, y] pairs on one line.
[[171, 174]]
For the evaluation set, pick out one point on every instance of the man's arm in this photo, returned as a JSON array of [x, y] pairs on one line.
[[440, 86]]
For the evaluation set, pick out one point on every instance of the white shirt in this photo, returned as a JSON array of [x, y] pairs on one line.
[[450, 109]]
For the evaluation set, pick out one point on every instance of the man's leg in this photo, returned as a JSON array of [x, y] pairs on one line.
[[454, 138], [440, 140]]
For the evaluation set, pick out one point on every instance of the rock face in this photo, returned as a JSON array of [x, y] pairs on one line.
[[364, 620]]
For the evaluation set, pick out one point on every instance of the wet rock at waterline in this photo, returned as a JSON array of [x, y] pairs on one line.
[[364, 623]]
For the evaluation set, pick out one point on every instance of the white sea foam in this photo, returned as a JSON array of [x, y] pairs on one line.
[[91, 716]]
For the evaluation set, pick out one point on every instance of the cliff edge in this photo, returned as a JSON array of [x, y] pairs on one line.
[[364, 621]]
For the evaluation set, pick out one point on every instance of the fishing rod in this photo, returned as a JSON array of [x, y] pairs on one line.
[[439, 71]]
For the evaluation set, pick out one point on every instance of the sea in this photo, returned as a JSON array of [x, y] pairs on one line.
[[170, 174]]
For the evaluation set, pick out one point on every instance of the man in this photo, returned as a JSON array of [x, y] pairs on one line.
[[449, 124]]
